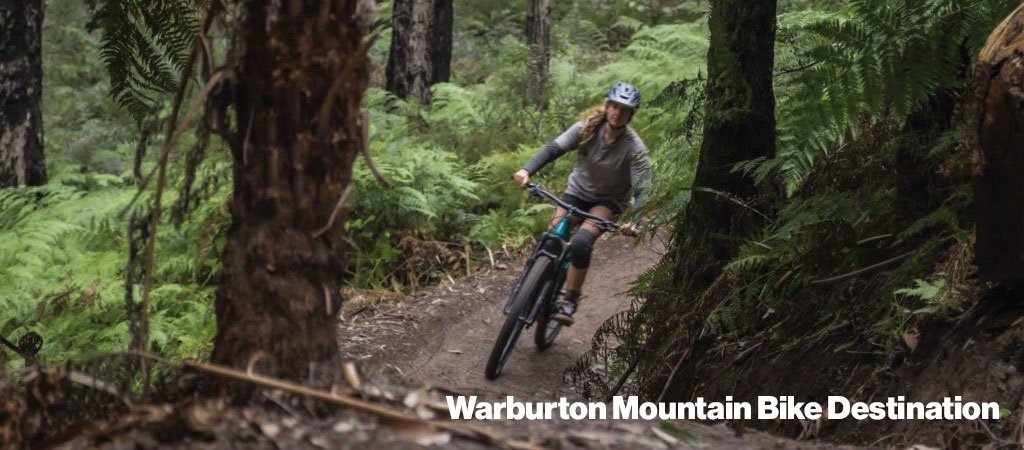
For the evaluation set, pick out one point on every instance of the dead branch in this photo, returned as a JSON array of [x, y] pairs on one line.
[[672, 374], [364, 149], [147, 284], [874, 238], [863, 271], [323, 116], [622, 379], [197, 102], [469, 431], [334, 213], [746, 353], [793, 69], [142, 188]]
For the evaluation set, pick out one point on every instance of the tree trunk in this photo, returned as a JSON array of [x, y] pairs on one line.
[[21, 93], [296, 100], [999, 159], [538, 38], [739, 125], [441, 41], [421, 47]]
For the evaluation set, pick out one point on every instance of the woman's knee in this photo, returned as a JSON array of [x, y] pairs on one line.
[[582, 248]]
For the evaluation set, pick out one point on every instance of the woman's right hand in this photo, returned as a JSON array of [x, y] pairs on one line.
[[521, 177]]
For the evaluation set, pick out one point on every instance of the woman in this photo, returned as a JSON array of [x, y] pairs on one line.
[[611, 163]]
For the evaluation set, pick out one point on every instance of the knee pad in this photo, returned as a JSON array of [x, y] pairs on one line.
[[582, 247]]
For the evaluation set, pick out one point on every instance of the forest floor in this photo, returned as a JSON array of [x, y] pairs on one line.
[[410, 351], [441, 339]]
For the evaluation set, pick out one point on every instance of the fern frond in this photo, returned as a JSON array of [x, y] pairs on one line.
[[144, 46], [874, 60]]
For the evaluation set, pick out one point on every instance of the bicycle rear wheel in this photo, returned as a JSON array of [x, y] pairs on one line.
[[515, 321]]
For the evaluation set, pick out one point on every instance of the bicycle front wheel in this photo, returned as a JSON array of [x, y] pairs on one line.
[[547, 328], [515, 321]]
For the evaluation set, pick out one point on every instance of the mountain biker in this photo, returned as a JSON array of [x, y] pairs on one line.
[[611, 163]]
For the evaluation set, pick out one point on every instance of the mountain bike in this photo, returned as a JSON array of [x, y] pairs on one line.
[[532, 300]]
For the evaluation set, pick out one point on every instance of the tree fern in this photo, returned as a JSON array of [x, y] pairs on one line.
[[874, 59], [144, 46]]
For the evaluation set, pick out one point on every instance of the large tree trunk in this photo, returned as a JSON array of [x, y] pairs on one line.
[[538, 37], [296, 101], [999, 161], [421, 47], [739, 125], [21, 93]]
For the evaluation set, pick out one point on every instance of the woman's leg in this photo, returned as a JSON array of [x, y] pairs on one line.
[[582, 248]]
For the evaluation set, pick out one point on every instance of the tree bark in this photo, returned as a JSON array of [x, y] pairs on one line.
[[421, 47], [296, 100], [998, 132], [538, 38], [21, 93], [739, 125], [723, 211]]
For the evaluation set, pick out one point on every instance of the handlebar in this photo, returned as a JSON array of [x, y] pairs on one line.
[[602, 223]]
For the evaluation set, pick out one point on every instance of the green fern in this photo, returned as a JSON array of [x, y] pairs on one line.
[[874, 59], [145, 45]]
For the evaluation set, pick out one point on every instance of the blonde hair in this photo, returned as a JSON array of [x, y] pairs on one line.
[[592, 119]]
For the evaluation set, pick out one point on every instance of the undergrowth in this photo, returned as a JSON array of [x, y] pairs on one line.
[[64, 261], [873, 238]]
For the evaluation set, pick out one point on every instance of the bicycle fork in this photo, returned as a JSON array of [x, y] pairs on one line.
[[541, 299]]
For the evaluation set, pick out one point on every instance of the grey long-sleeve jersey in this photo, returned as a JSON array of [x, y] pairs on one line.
[[603, 171]]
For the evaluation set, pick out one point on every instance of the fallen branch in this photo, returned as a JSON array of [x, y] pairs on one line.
[[622, 379], [93, 382], [858, 272], [469, 431], [874, 238], [672, 374]]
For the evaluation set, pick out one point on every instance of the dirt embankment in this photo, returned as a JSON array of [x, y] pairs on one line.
[[978, 355]]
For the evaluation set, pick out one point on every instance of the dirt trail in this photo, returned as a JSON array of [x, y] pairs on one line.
[[442, 338], [453, 328], [528, 373]]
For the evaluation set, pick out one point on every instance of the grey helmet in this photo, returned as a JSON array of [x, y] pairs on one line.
[[624, 94]]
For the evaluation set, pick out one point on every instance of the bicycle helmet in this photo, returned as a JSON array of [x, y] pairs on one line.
[[624, 94]]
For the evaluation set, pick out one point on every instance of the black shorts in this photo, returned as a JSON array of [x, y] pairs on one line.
[[585, 205]]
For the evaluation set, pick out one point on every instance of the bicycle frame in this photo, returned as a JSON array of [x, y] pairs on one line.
[[559, 237], [544, 286]]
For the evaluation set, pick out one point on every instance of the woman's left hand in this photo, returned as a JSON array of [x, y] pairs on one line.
[[521, 177]]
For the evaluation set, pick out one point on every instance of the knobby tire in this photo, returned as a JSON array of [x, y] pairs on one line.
[[521, 304], [547, 329]]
